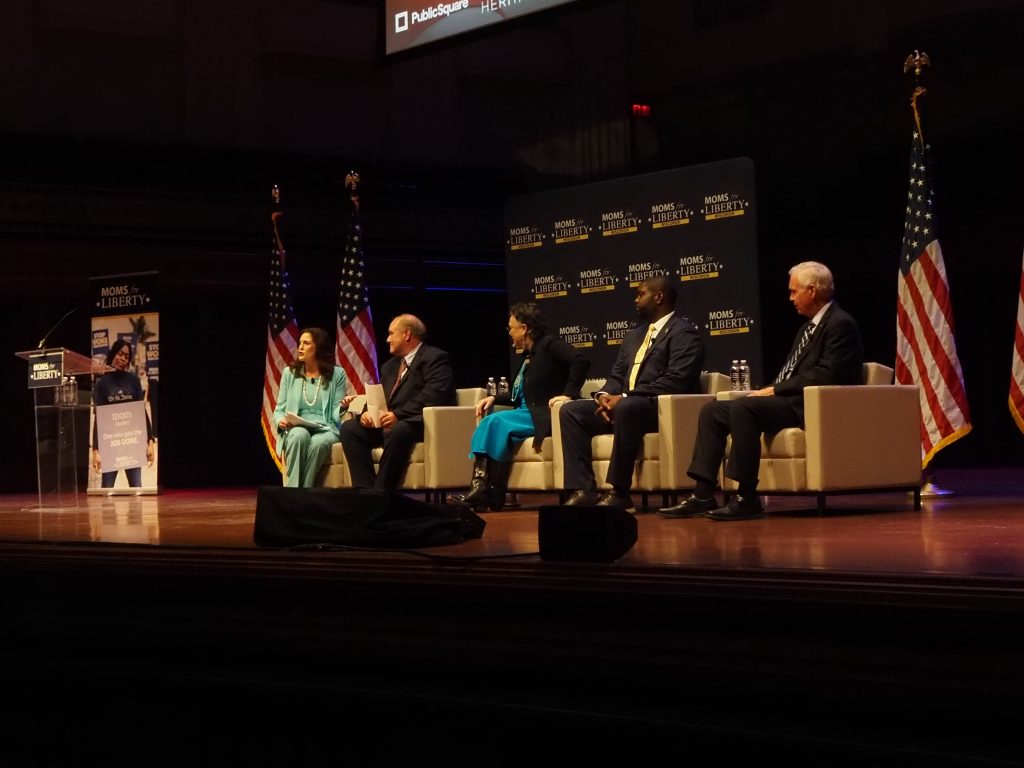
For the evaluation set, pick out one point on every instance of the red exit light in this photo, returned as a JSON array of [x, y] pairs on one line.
[[641, 110]]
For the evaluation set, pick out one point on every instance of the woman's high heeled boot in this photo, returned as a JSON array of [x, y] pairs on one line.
[[497, 473], [479, 492]]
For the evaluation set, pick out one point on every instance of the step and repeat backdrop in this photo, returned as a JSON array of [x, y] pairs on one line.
[[581, 252]]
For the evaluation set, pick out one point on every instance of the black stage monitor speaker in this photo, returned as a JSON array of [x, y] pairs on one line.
[[357, 517], [587, 534]]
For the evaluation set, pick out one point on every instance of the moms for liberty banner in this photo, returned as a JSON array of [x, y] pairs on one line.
[[124, 425], [581, 252]]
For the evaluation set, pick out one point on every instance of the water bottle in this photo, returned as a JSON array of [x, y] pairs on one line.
[[492, 388], [503, 387], [734, 375], [744, 376], [67, 392]]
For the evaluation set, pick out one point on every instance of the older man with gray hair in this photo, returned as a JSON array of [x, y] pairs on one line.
[[416, 376], [827, 350]]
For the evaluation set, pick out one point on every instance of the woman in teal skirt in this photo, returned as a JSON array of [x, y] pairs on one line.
[[551, 370]]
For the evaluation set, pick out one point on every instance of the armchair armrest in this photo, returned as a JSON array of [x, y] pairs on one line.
[[677, 431], [730, 394], [713, 382], [447, 432], [354, 408], [469, 395], [862, 436]]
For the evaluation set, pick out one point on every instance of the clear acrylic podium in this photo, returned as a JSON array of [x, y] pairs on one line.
[[62, 423]]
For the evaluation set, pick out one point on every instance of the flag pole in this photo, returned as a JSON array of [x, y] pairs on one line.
[[282, 331], [916, 62]]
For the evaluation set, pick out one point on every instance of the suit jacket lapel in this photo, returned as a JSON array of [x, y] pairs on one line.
[[389, 385], [415, 360], [816, 337], [659, 338]]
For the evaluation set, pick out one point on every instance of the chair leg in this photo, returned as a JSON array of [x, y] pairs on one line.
[[917, 498], [821, 503]]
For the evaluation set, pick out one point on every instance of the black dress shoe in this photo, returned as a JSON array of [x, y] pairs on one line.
[[691, 507], [581, 499], [740, 508], [616, 499]]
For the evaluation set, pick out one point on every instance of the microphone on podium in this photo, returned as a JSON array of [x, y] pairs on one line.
[[42, 341]]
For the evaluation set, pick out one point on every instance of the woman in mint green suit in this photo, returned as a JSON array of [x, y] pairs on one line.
[[310, 401]]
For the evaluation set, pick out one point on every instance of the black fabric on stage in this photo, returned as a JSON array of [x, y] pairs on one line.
[[586, 534], [357, 517]]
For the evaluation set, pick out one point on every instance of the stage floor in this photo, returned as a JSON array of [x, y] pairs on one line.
[[871, 635], [978, 531]]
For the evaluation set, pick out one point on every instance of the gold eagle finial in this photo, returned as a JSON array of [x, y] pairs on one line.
[[916, 61]]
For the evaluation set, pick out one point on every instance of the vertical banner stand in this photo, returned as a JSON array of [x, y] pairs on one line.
[[125, 425]]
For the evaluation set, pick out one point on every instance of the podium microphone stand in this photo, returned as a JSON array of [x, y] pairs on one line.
[[62, 423]]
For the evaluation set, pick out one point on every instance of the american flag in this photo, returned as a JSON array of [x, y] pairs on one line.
[[282, 335], [925, 347], [1017, 368], [355, 350]]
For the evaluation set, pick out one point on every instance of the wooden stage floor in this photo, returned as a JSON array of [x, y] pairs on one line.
[[153, 631], [978, 531]]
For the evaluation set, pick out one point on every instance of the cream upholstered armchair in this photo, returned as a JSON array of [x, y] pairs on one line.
[[533, 470], [439, 463], [661, 467], [856, 439]]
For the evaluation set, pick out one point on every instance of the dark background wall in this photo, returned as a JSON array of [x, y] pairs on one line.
[[147, 136]]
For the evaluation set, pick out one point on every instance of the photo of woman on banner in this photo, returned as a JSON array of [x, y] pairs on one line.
[[310, 400], [112, 389]]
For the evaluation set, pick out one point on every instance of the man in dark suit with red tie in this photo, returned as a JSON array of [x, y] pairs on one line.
[[827, 350], [416, 376], [663, 356]]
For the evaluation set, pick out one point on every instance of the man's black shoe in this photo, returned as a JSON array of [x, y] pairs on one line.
[[740, 508], [691, 507], [581, 499], [616, 499]]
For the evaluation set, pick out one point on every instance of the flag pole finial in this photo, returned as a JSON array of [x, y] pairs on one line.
[[352, 185], [917, 61]]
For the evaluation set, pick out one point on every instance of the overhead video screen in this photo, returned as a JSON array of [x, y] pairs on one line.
[[414, 22]]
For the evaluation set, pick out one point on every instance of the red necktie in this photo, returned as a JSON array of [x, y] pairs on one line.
[[402, 368]]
